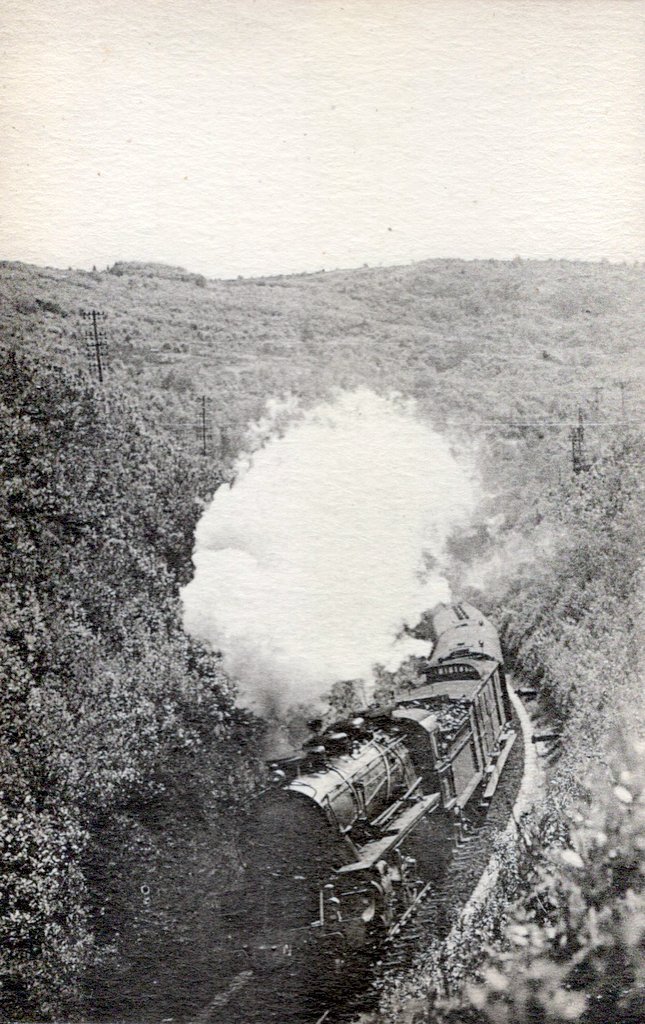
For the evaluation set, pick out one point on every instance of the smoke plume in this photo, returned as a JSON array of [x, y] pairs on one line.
[[511, 557], [331, 539]]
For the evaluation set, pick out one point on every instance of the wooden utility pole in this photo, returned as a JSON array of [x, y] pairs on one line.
[[578, 452], [96, 338], [203, 425], [622, 384], [597, 391]]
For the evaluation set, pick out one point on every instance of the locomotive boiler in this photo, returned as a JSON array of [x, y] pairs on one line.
[[357, 827]]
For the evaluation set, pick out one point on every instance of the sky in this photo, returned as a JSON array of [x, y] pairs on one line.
[[247, 137]]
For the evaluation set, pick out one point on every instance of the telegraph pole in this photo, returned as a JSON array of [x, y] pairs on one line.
[[97, 346], [204, 428], [597, 390], [96, 341], [578, 454], [622, 384], [203, 425]]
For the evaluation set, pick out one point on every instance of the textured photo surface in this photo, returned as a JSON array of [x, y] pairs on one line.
[[321, 511]]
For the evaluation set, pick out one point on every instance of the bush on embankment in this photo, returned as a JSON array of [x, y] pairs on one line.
[[574, 947], [111, 720], [571, 622]]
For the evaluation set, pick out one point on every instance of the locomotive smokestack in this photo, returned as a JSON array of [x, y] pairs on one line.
[[310, 567]]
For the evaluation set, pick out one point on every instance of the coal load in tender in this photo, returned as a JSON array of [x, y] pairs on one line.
[[451, 715]]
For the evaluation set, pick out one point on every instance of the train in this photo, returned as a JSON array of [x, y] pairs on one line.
[[354, 829]]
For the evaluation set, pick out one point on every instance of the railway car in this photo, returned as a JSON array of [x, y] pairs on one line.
[[356, 827]]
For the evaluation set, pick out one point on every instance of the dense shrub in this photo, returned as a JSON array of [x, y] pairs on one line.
[[571, 622], [575, 947], [108, 709]]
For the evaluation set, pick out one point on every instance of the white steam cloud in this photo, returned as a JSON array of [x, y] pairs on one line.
[[513, 556], [331, 539]]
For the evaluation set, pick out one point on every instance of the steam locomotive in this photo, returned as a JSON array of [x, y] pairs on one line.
[[356, 828]]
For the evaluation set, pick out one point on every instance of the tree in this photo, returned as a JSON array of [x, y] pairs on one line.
[[108, 707]]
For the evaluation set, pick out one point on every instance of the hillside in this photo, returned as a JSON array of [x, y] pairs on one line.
[[478, 344], [127, 763], [112, 721]]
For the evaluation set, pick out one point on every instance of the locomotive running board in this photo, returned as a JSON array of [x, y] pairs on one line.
[[495, 770], [398, 829]]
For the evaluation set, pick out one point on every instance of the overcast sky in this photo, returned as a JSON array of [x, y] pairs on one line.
[[269, 136]]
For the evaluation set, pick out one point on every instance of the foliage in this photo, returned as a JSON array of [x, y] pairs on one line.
[[575, 948], [116, 732], [571, 625], [480, 345], [106, 703]]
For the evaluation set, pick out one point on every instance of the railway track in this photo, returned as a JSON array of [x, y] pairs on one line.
[[250, 999]]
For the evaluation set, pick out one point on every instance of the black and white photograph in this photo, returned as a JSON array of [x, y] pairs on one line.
[[321, 505]]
